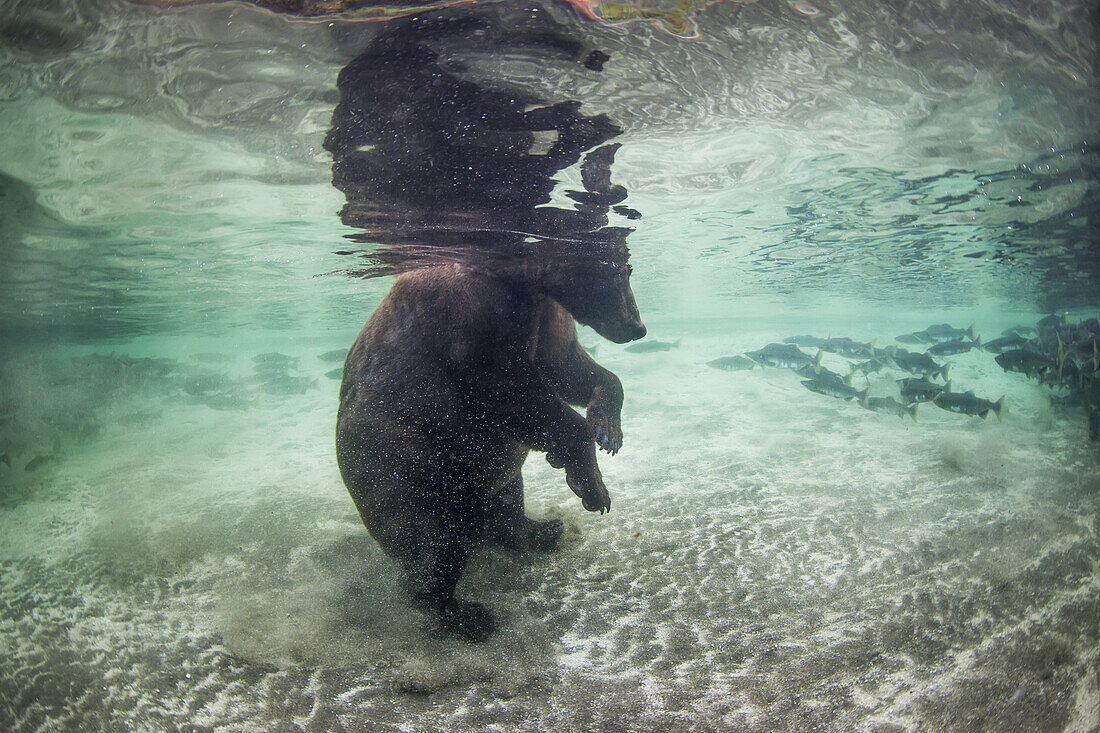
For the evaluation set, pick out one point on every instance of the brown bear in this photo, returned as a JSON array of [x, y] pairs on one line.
[[459, 373]]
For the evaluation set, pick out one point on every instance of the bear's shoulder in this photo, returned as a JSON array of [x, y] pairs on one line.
[[450, 282], [465, 294]]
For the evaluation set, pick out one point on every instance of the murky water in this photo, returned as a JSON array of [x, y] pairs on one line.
[[177, 549]]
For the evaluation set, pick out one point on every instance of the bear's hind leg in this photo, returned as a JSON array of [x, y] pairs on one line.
[[507, 525], [432, 570]]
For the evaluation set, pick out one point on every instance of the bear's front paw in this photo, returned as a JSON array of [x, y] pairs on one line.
[[606, 429], [466, 618], [589, 487]]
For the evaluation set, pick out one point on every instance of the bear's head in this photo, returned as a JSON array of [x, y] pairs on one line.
[[598, 295]]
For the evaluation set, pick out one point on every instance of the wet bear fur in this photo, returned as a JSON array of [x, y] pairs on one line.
[[458, 374]]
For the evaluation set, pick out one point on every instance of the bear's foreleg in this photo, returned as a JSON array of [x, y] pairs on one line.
[[520, 402], [580, 381]]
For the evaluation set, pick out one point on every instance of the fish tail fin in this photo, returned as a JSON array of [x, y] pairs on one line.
[[945, 370], [977, 342], [913, 411], [972, 332], [863, 401], [864, 395], [947, 386], [999, 408], [817, 359], [676, 343]]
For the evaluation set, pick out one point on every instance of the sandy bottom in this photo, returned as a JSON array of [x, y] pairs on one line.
[[177, 552]]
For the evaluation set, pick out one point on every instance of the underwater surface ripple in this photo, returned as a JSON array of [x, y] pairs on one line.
[[176, 546]]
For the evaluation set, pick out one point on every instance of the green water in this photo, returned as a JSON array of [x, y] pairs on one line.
[[177, 549]]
